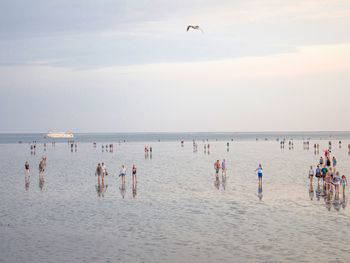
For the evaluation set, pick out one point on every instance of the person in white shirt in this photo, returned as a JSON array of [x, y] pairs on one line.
[[122, 173]]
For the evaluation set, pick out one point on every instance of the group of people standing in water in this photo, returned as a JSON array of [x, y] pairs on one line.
[[42, 169], [148, 151], [220, 167], [101, 172], [329, 179]]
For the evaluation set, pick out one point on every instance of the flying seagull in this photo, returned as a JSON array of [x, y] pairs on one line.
[[194, 27]]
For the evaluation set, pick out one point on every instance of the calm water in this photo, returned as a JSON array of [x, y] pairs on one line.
[[178, 214], [165, 136]]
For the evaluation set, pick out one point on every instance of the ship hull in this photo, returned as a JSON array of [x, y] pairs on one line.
[[60, 135]]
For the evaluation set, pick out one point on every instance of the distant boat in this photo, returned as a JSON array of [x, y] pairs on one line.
[[60, 135]]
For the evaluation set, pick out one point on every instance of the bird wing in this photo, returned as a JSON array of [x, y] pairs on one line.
[[188, 27]]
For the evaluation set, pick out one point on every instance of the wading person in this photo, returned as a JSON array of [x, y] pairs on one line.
[[260, 173], [217, 168], [98, 173], [311, 175]]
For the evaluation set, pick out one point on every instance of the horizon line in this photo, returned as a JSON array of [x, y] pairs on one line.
[[174, 132]]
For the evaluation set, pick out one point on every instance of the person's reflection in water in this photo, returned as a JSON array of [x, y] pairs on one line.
[[134, 189], [101, 188], [260, 191], [122, 175], [336, 201], [26, 182], [122, 189], [318, 191], [223, 181], [343, 201], [328, 200], [41, 180], [311, 192], [217, 181]]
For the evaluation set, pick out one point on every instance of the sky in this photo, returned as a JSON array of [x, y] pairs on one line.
[[130, 66]]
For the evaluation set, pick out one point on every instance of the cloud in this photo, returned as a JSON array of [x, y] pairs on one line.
[[305, 61], [271, 92], [95, 34]]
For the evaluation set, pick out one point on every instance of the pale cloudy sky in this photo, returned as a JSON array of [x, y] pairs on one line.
[[124, 66]]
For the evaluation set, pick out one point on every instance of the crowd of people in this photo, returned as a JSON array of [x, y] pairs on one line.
[[326, 173], [329, 180]]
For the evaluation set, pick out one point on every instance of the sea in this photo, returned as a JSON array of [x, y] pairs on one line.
[[178, 210]]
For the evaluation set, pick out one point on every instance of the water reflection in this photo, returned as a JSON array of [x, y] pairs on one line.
[[223, 181], [134, 185], [41, 180], [336, 202], [331, 197], [311, 192], [134, 190], [318, 192], [122, 189], [26, 181], [260, 191], [101, 189], [217, 182], [343, 201], [327, 201]]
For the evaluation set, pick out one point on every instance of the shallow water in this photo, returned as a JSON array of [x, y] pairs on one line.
[[178, 214]]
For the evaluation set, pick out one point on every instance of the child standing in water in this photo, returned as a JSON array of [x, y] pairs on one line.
[[334, 161], [223, 167], [260, 175], [217, 167]]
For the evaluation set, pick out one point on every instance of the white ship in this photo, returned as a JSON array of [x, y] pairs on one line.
[[60, 135]]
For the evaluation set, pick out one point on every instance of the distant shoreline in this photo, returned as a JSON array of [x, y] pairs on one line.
[[187, 132], [177, 136]]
